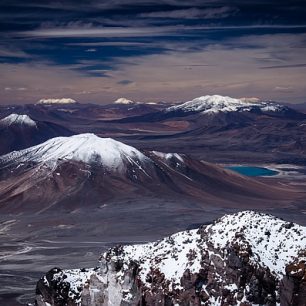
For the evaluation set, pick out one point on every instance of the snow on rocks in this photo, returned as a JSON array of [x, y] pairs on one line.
[[216, 103], [242, 257], [274, 242]]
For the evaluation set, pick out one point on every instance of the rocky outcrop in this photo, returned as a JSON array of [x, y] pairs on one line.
[[293, 284], [243, 259]]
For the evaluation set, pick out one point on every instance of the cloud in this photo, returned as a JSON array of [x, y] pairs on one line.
[[97, 32], [285, 66], [91, 50], [98, 50], [15, 88], [229, 69], [125, 82], [283, 89], [114, 32], [111, 44], [4, 52], [194, 13]]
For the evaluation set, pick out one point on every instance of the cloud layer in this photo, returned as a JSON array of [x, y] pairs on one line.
[[97, 51]]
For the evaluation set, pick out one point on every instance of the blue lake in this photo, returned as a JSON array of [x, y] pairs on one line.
[[252, 171]]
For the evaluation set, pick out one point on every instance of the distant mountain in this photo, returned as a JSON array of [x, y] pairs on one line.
[[21, 131], [214, 128], [219, 109], [247, 258], [124, 101], [17, 120], [56, 101], [224, 128], [70, 172], [215, 104]]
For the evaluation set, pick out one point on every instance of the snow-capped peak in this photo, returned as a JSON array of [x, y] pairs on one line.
[[16, 119], [86, 148], [56, 101], [216, 103], [274, 244], [240, 253], [123, 101]]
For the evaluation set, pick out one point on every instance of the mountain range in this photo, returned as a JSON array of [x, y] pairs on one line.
[[77, 178], [213, 128]]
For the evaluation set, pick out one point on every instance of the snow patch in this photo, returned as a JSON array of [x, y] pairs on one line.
[[168, 156]]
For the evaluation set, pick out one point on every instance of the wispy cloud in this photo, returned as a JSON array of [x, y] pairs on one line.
[[125, 82], [285, 66], [194, 13], [158, 49], [91, 50], [112, 32], [110, 43], [13, 53]]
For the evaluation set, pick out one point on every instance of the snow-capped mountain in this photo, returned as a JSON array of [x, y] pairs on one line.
[[84, 168], [20, 131], [216, 103], [56, 101], [86, 148], [123, 101], [15, 119], [248, 258]]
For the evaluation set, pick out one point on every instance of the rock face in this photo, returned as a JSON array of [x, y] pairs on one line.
[[243, 259], [293, 285]]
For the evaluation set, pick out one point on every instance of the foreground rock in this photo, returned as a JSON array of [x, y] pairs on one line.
[[243, 259]]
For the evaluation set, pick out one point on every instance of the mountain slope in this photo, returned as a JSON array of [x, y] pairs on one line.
[[70, 172], [21, 131], [243, 259]]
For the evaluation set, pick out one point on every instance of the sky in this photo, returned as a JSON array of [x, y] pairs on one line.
[[148, 50]]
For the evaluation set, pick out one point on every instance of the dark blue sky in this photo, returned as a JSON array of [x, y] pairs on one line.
[[171, 50]]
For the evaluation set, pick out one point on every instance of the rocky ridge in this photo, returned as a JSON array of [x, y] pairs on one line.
[[247, 258]]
